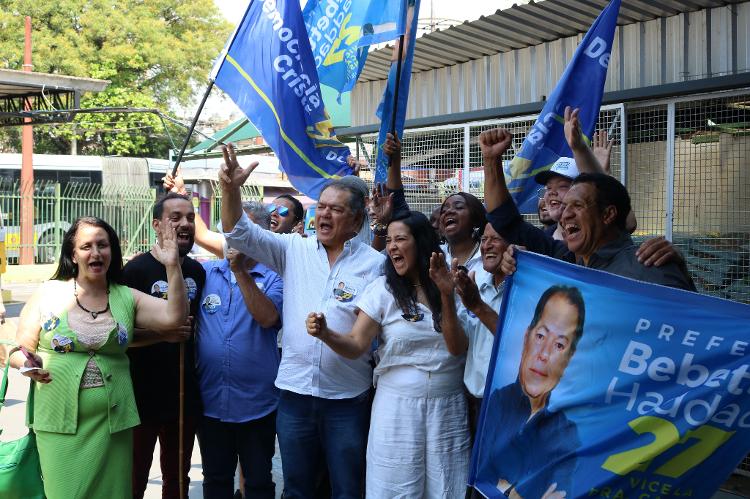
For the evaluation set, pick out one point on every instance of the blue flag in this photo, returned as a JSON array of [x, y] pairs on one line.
[[581, 86], [340, 32], [385, 110], [603, 386], [268, 70]]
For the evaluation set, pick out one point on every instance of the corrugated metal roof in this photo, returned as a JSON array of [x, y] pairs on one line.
[[522, 26]]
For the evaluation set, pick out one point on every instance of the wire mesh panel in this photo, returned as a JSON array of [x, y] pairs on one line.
[[712, 193], [645, 174], [432, 163], [435, 162]]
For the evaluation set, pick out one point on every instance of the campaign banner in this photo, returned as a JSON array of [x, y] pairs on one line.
[[340, 32], [268, 70], [603, 386], [580, 86]]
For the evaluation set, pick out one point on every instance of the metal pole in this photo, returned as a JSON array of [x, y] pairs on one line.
[[398, 82], [466, 184], [26, 249], [669, 177], [623, 146], [192, 127]]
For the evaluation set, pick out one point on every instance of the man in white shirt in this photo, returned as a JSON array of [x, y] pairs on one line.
[[481, 293], [324, 407]]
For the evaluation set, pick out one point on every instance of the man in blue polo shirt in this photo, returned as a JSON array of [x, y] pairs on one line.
[[238, 359]]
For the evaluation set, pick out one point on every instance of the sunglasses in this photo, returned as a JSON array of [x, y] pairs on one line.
[[283, 211]]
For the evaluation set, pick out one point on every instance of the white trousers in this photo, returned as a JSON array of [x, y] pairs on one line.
[[419, 445]]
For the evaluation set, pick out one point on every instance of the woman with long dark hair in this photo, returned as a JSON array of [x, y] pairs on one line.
[[75, 330], [418, 443]]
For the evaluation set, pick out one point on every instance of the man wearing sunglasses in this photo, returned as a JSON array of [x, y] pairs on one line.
[[287, 215]]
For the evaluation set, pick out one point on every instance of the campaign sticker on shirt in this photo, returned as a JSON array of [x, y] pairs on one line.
[[191, 287], [49, 322], [413, 317], [61, 344], [122, 335], [159, 289], [211, 303], [344, 293]]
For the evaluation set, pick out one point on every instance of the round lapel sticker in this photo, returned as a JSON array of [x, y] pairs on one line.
[[211, 303]]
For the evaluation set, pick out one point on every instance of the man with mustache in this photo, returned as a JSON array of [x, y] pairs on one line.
[[155, 369]]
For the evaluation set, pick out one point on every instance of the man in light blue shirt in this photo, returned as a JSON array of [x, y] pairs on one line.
[[481, 295], [324, 405], [237, 361]]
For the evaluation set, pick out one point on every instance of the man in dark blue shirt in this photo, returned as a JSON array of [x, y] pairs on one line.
[[527, 450]]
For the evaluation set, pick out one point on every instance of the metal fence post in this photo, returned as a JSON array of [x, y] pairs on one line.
[[58, 193], [623, 145], [669, 177], [466, 184]]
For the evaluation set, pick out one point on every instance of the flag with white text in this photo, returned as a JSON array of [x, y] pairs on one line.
[[340, 32], [269, 71], [580, 86]]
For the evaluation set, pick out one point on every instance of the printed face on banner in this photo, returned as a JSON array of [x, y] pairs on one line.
[[547, 349], [652, 398]]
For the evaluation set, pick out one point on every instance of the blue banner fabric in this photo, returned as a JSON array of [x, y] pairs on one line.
[[385, 110], [581, 85], [340, 32], [269, 72], [602, 386]]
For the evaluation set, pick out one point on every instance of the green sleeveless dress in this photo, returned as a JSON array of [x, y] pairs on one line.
[[84, 435]]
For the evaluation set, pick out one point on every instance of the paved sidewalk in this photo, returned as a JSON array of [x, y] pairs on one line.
[[12, 422]]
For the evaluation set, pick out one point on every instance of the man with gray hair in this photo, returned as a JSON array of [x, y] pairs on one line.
[[238, 320], [324, 408]]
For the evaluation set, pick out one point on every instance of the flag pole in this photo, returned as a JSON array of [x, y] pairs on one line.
[[192, 127], [398, 83], [395, 92], [181, 424]]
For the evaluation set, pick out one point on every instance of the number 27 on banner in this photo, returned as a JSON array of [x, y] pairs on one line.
[[666, 435]]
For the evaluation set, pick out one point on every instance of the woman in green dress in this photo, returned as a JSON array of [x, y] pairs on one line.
[[76, 328]]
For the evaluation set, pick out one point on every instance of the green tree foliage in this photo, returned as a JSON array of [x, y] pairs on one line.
[[155, 53]]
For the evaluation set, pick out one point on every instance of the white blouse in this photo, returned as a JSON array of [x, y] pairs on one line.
[[406, 340]]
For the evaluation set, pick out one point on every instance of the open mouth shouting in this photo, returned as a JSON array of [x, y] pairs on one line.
[[324, 228], [96, 266], [184, 237]]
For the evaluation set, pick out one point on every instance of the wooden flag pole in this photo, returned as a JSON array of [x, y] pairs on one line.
[[181, 426]]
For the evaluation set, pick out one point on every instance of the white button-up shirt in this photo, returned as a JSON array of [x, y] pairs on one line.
[[308, 366], [480, 338]]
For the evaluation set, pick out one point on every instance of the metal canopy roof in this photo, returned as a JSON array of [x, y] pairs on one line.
[[522, 26], [22, 90]]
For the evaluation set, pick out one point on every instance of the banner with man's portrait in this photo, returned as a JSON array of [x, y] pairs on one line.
[[602, 386]]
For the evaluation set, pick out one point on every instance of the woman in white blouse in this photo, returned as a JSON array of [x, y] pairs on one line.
[[418, 444]]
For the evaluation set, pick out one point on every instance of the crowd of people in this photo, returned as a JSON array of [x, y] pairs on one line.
[[388, 317]]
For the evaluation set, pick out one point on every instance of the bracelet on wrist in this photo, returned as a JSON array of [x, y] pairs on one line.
[[379, 229]]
